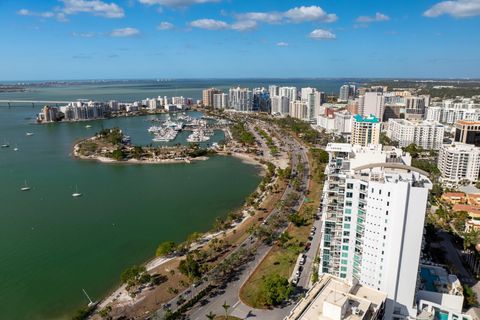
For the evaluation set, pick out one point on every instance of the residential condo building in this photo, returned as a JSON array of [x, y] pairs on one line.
[[458, 162], [426, 134], [373, 214], [365, 130]]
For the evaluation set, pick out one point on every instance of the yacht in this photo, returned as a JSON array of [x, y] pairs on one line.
[[88, 126], [25, 187], [29, 134]]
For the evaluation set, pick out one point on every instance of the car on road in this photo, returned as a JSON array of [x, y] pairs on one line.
[[307, 246]]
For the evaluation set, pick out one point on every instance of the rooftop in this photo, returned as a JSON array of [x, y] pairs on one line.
[[332, 298], [370, 119]]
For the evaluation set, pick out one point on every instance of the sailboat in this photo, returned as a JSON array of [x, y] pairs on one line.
[[76, 194], [25, 187], [90, 302], [5, 144]]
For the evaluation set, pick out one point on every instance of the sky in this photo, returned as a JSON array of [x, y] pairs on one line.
[[126, 39]]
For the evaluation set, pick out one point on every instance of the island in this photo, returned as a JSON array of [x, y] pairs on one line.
[[111, 145]]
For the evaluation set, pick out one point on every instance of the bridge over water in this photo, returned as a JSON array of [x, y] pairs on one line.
[[9, 103]]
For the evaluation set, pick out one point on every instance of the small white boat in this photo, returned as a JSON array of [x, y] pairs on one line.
[[15, 149], [5, 144], [25, 187], [88, 126], [76, 194], [30, 134]]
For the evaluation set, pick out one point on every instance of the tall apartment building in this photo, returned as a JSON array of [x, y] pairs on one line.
[[289, 92], [373, 216], [467, 132], [220, 101], [459, 161], [344, 92], [299, 110], [343, 122], [240, 99], [273, 90], [207, 96], [372, 103], [427, 134], [280, 105], [365, 130]]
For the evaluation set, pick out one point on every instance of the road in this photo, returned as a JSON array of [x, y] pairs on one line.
[[229, 293]]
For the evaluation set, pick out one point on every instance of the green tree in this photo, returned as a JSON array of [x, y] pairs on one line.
[[190, 267], [470, 238], [165, 248], [210, 315], [276, 289]]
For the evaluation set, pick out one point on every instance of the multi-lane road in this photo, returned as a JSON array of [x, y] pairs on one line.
[[229, 293]]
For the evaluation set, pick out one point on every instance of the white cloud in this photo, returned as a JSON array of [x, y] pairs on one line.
[[209, 24], [321, 34], [175, 3], [70, 7], [95, 7], [245, 25], [312, 13], [267, 17], [377, 18], [294, 15], [455, 8], [125, 32], [26, 12], [282, 44], [165, 26], [84, 34]]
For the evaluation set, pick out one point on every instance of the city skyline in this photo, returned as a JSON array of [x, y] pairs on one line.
[[94, 39]]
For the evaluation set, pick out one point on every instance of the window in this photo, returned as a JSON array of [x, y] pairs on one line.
[[346, 233], [346, 226], [347, 219], [344, 254], [348, 210], [344, 269], [344, 261], [349, 185], [363, 187], [388, 194], [348, 203], [345, 248], [343, 275], [349, 194]]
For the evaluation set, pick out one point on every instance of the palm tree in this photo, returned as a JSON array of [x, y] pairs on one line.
[[226, 307], [211, 315]]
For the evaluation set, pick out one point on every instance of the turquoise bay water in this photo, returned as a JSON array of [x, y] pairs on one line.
[[52, 245]]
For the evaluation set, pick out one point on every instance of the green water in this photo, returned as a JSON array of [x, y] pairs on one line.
[[52, 245]]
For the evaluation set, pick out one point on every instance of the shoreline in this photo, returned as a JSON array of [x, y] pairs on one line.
[[121, 297]]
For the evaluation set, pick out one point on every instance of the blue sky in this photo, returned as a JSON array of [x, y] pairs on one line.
[[95, 39]]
